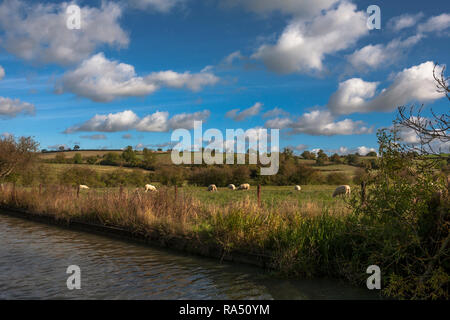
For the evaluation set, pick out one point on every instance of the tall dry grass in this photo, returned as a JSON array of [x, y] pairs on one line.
[[240, 224]]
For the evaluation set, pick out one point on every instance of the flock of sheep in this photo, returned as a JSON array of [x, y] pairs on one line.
[[343, 190]]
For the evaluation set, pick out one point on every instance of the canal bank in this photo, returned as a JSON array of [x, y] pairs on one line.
[[150, 237], [34, 258]]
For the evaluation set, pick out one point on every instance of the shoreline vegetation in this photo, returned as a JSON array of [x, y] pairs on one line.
[[173, 218], [308, 238]]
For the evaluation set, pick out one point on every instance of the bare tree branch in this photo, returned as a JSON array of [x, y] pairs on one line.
[[431, 131]]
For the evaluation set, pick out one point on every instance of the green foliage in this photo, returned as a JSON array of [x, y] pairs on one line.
[[122, 178], [169, 176], [77, 175], [336, 178], [321, 158], [111, 159], [352, 159], [129, 156], [406, 224], [91, 160], [149, 159], [308, 155], [335, 158], [16, 155], [77, 158]]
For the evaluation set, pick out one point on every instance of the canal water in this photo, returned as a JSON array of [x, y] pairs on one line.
[[34, 258]]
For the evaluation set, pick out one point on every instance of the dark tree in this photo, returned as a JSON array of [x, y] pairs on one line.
[[16, 154]]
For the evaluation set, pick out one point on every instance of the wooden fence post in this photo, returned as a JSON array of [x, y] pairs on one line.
[[78, 191], [259, 195], [121, 192], [14, 192], [176, 192], [363, 192]]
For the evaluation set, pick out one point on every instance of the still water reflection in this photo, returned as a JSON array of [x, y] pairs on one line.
[[34, 258]]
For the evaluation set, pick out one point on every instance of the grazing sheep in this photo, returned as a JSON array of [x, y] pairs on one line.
[[82, 186], [232, 187], [297, 188], [342, 190], [244, 186], [149, 187], [212, 188]]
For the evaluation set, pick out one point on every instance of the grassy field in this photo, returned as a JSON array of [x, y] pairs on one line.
[[270, 195], [312, 198], [59, 167], [165, 158], [54, 169], [70, 154]]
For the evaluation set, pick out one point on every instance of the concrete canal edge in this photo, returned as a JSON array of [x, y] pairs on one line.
[[152, 238]]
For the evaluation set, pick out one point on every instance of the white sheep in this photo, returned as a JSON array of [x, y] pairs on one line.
[[212, 188], [342, 190], [232, 187], [82, 186], [297, 188], [244, 186], [149, 187]]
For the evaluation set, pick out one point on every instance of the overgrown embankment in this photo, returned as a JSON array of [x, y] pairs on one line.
[[295, 240]]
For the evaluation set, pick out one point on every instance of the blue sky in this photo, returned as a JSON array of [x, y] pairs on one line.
[[137, 70]]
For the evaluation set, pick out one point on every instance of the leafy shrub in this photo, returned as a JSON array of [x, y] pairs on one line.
[[337, 178], [169, 175], [77, 175], [111, 159], [121, 177]]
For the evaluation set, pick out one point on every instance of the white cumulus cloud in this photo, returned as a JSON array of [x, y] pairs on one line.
[[404, 21], [128, 120], [303, 45], [10, 108], [435, 24], [95, 137], [374, 56], [244, 114], [38, 32], [157, 5], [303, 8], [103, 80], [113, 122], [415, 84], [318, 122]]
